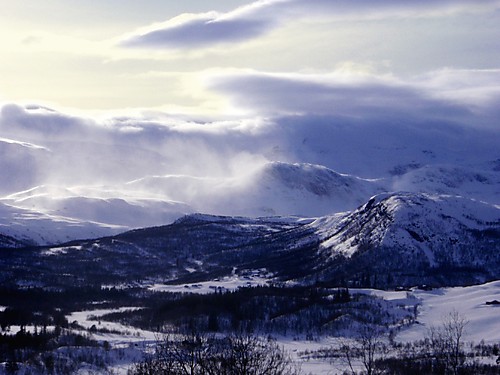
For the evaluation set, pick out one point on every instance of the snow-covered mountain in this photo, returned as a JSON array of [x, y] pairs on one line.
[[413, 236], [49, 214], [479, 183], [84, 177], [399, 239], [307, 189]]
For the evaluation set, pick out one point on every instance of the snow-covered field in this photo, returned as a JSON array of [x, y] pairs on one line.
[[433, 307], [469, 302], [233, 282], [90, 318], [128, 343]]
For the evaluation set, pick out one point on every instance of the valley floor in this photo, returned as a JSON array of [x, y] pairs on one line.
[[127, 344]]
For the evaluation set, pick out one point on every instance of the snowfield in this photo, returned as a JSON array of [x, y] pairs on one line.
[[228, 283], [119, 333], [433, 306], [469, 302]]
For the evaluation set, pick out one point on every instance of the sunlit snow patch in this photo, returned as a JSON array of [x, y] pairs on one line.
[[233, 282]]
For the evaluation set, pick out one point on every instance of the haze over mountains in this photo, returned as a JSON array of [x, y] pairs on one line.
[[73, 177], [240, 117]]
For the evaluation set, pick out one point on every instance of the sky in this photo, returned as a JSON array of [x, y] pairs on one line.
[[241, 107], [236, 58]]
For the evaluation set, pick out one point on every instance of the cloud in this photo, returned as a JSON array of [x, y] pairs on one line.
[[122, 148], [260, 17], [362, 125], [363, 9], [351, 123], [199, 30], [448, 95]]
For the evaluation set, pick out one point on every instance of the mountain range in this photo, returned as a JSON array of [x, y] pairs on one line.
[[416, 202], [67, 177], [402, 239]]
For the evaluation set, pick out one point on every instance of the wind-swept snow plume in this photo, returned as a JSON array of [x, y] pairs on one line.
[[147, 170], [327, 144]]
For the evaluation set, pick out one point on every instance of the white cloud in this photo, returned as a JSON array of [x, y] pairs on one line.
[[190, 31], [314, 118], [258, 18]]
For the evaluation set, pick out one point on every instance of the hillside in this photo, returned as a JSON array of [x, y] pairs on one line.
[[392, 240]]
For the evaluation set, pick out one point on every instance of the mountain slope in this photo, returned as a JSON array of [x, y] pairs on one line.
[[479, 183], [393, 239], [416, 237], [276, 188], [47, 215], [51, 214]]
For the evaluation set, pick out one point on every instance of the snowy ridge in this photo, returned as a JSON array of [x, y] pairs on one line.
[[50, 215], [400, 219], [394, 239], [29, 228], [475, 183], [311, 189], [410, 233], [275, 188]]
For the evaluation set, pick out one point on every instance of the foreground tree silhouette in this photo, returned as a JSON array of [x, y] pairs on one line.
[[366, 348], [446, 342], [197, 354]]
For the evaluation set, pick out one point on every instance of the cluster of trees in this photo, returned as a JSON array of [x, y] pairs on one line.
[[45, 342], [195, 354], [41, 351], [23, 317], [271, 309], [40, 306]]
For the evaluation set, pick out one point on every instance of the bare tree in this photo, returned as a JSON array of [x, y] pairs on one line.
[[174, 355], [197, 354], [446, 342], [348, 354], [372, 347], [366, 349]]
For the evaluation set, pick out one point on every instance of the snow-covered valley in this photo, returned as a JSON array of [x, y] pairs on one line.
[[124, 344], [115, 231], [303, 281]]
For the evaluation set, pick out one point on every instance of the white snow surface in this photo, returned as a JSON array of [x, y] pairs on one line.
[[227, 283], [469, 302]]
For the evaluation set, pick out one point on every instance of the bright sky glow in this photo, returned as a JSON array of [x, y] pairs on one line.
[[117, 54]]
